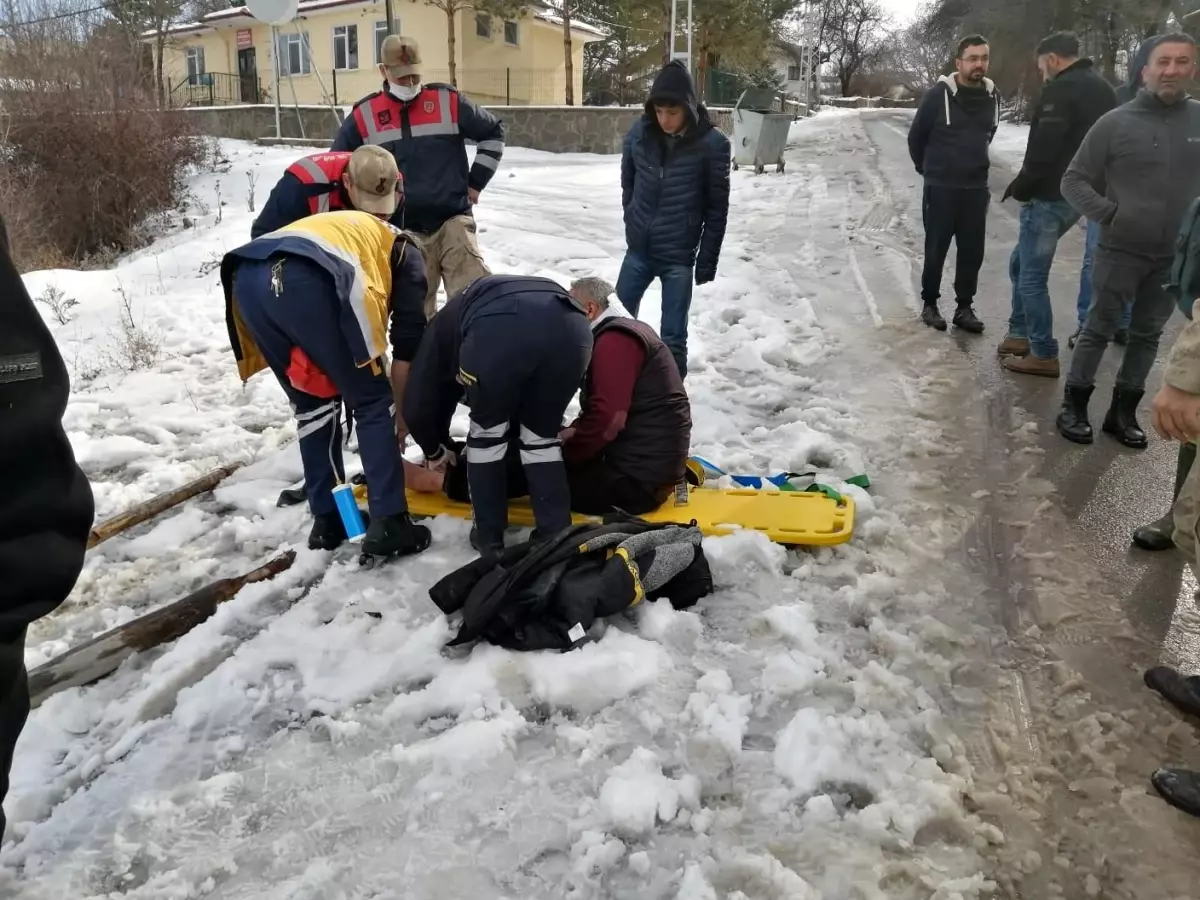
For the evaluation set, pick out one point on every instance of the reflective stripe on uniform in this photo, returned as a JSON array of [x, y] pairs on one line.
[[494, 432], [491, 454], [491, 146], [374, 133], [488, 162], [315, 172], [315, 419], [538, 449]]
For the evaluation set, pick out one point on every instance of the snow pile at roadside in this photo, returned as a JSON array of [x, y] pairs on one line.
[[315, 739], [1008, 146]]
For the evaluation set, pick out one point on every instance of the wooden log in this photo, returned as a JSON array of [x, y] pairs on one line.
[[101, 655], [157, 505]]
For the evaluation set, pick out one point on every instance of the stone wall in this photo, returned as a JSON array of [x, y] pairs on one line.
[[559, 129]]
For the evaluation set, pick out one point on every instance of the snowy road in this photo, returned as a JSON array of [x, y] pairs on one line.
[[947, 702]]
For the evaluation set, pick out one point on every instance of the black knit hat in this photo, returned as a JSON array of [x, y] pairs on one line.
[[674, 86]]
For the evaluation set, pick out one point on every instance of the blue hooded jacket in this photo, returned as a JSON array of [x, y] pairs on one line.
[[675, 189], [1130, 88]]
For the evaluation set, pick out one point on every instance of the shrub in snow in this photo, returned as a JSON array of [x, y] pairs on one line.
[[59, 304]]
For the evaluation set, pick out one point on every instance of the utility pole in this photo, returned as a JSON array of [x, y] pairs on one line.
[[390, 15], [810, 53], [685, 55]]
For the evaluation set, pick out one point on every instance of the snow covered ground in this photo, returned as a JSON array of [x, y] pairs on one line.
[[785, 739], [1008, 146]]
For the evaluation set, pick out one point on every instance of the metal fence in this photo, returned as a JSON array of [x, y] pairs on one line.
[[214, 89], [497, 87]]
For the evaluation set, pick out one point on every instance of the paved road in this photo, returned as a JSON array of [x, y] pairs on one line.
[[1030, 531]]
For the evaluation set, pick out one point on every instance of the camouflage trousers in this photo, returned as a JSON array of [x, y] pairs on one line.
[[1187, 516], [452, 256]]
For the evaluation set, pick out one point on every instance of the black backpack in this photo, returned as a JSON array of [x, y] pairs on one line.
[[1184, 284]]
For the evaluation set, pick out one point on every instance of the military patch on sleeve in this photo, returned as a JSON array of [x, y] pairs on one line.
[[20, 367]]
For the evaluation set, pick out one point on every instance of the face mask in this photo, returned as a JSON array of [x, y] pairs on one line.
[[403, 92]]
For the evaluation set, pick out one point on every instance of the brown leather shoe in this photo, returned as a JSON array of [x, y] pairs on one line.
[[1032, 365], [1013, 346]]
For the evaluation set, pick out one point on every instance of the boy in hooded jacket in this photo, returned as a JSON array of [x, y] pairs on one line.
[[675, 193]]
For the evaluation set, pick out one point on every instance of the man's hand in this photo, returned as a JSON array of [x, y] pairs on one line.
[[566, 434], [401, 431], [472, 195], [1007, 191], [704, 276], [1176, 414]]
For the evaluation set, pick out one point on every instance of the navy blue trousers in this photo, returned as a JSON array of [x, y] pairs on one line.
[[522, 365], [306, 313]]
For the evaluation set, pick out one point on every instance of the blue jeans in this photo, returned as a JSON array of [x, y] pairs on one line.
[[1085, 277], [1043, 222], [637, 272]]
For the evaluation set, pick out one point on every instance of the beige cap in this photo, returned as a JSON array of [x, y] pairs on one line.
[[400, 56], [375, 182]]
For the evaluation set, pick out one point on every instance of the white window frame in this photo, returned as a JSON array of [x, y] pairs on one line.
[[195, 65], [516, 26], [482, 19], [379, 33], [283, 49], [344, 38]]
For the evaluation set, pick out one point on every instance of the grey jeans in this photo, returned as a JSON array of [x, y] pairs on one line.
[[1117, 279]]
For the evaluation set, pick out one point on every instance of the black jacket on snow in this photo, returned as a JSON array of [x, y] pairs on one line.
[[545, 595], [1068, 107], [428, 137], [435, 386], [46, 509], [652, 447], [951, 132], [675, 189]]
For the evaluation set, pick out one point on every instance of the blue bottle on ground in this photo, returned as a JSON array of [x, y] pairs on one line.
[[347, 507]]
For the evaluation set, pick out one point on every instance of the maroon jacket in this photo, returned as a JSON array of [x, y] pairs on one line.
[[635, 414]]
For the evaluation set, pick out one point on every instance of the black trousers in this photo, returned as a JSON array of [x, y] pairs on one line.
[[521, 363], [959, 215], [14, 706]]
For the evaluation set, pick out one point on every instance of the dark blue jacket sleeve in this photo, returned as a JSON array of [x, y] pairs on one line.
[[286, 204], [348, 137], [716, 201], [487, 131], [922, 125], [409, 283], [433, 391]]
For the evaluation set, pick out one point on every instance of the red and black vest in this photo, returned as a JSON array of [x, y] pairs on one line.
[[654, 444], [384, 118], [324, 170]]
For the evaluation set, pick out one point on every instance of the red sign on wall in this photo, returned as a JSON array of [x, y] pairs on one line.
[[245, 40]]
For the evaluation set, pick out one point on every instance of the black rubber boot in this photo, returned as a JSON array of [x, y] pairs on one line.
[[1181, 692], [1072, 421], [1180, 788], [488, 550], [1158, 534], [965, 318], [931, 317], [327, 532], [1121, 421], [396, 535]]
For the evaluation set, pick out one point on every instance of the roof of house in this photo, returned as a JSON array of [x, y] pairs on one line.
[[238, 14]]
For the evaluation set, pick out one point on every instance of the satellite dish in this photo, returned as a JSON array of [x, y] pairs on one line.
[[277, 12]]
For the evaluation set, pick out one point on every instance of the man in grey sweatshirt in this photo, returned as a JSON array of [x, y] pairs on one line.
[[1145, 156]]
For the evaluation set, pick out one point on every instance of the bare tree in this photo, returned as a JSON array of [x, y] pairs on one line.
[[498, 8], [919, 53], [854, 32]]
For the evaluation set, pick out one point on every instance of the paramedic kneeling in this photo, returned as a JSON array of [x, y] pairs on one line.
[[628, 448], [517, 348], [313, 302]]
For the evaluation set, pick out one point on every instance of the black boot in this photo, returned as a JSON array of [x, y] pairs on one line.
[[1182, 692], [1072, 421], [488, 549], [396, 535], [965, 318], [1121, 421], [1158, 534], [931, 317], [1180, 788], [327, 532]]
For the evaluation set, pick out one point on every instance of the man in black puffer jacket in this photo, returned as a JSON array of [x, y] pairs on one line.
[[46, 512], [675, 192]]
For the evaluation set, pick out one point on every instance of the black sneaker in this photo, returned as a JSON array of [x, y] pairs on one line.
[[931, 317], [965, 318], [396, 535]]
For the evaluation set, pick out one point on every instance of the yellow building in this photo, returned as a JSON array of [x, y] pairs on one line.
[[330, 53]]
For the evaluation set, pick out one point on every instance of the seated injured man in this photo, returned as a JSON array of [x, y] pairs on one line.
[[628, 447]]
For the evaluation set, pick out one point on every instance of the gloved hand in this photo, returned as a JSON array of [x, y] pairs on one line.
[[705, 275]]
